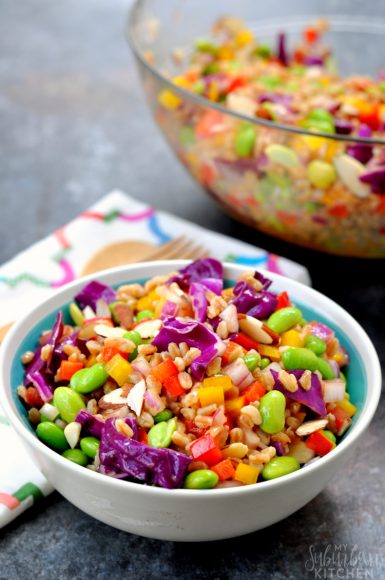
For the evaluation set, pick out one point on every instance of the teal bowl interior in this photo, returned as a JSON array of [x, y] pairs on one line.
[[355, 375]]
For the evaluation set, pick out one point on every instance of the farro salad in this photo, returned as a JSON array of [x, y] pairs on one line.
[[317, 191], [184, 382]]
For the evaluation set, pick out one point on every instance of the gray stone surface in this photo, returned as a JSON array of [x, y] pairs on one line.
[[73, 126]]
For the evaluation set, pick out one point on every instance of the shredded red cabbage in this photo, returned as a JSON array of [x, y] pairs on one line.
[[195, 334], [208, 270], [95, 426], [375, 179], [161, 467], [94, 291], [257, 304], [312, 398]]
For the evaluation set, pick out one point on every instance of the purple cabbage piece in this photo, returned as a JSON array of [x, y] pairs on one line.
[[56, 335], [343, 127], [322, 331], [199, 301], [312, 398], [279, 447], [375, 179], [361, 151], [94, 291], [95, 426], [281, 49], [161, 467], [169, 309], [257, 304], [35, 375], [284, 100], [207, 269], [313, 61], [195, 334]]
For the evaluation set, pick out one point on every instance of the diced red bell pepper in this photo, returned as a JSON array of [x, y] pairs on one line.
[[224, 470], [206, 449], [108, 352], [69, 368], [142, 435], [33, 398], [371, 117], [245, 341], [283, 300], [229, 421], [311, 34], [191, 427], [320, 444], [208, 123], [236, 83], [343, 420], [233, 351], [164, 370], [254, 392], [173, 386]]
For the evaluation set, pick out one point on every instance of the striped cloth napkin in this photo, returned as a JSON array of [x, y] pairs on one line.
[[117, 220]]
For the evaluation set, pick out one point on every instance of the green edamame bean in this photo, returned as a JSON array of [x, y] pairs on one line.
[[280, 466], [317, 345], [329, 435], [244, 140], [144, 314], [284, 319], [264, 362], [76, 456], [321, 115], [164, 415], [252, 361], [321, 174], [342, 376], [76, 314], [90, 446], [302, 358], [134, 336], [201, 479], [68, 403], [89, 379], [160, 434], [272, 408], [52, 435]]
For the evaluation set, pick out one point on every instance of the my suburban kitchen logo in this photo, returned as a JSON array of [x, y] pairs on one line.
[[342, 561]]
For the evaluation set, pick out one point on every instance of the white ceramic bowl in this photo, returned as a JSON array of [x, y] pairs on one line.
[[190, 515]]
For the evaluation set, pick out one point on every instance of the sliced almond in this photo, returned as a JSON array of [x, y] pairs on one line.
[[349, 171], [113, 399], [72, 433], [149, 328], [109, 331], [255, 329], [301, 452], [135, 397], [311, 427]]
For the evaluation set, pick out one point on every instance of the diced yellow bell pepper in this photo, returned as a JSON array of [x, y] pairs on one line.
[[338, 357], [348, 407], [119, 369], [247, 474], [271, 352], [218, 381], [91, 360], [181, 82], [227, 292], [144, 303], [213, 91], [153, 295], [234, 405], [243, 38], [225, 53], [211, 395], [169, 100], [292, 338]]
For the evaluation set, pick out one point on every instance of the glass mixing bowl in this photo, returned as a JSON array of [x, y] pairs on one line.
[[345, 217]]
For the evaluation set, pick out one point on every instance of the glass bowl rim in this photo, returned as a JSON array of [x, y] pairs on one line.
[[206, 103]]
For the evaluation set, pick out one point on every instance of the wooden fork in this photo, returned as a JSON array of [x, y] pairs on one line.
[[129, 252]]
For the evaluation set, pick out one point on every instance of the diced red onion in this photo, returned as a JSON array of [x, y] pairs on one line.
[[333, 390], [141, 366], [238, 372]]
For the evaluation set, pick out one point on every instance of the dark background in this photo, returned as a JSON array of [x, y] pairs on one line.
[[73, 125]]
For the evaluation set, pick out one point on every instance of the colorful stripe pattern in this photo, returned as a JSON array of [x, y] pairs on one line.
[[24, 492]]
